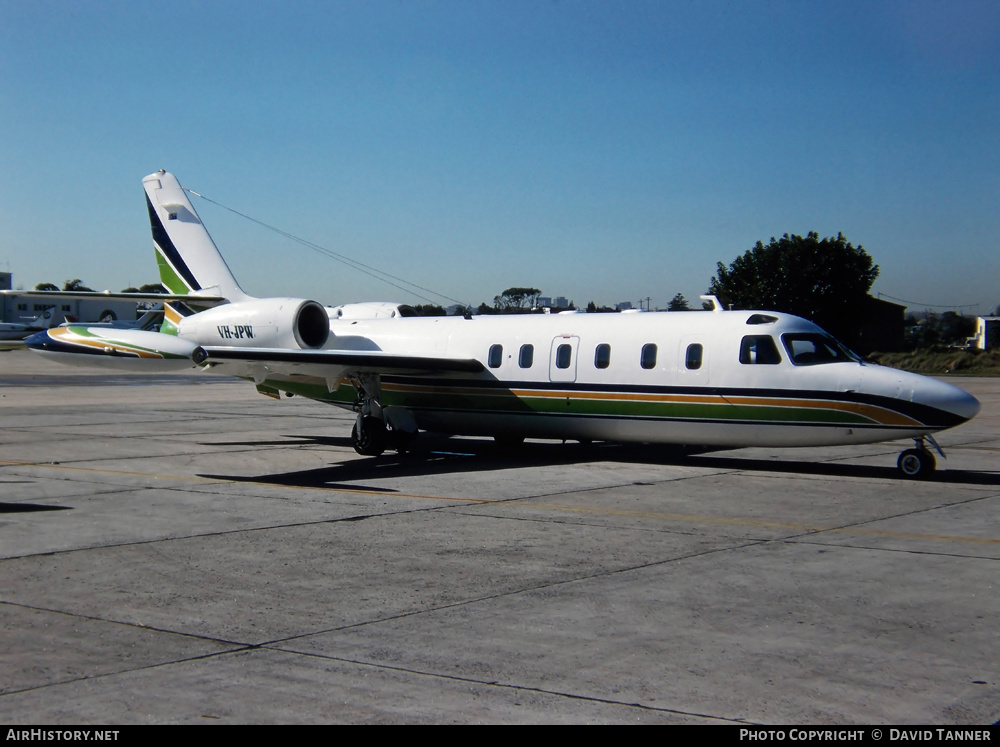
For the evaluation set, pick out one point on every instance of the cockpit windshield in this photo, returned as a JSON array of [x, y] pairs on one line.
[[810, 349]]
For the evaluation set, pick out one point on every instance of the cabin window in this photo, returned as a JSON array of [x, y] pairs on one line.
[[602, 356], [648, 357], [526, 357], [22, 307], [496, 356], [813, 349], [759, 349], [564, 355], [692, 359]]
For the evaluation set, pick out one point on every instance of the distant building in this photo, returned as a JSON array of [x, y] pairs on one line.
[[20, 305], [560, 302], [5, 281], [987, 333], [623, 306]]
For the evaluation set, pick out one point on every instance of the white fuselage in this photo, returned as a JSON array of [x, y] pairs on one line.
[[649, 377]]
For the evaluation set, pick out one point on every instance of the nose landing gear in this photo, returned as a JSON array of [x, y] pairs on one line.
[[919, 463]]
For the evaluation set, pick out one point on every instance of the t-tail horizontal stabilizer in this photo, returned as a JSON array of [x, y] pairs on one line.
[[122, 349]]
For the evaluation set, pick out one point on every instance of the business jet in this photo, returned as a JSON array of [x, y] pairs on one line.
[[716, 378], [20, 330]]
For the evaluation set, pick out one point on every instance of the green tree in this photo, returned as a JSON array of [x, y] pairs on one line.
[[824, 280], [517, 299], [430, 309], [46, 287], [76, 285], [678, 303]]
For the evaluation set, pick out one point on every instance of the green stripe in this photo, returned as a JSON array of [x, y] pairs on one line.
[[170, 279], [506, 402], [124, 347]]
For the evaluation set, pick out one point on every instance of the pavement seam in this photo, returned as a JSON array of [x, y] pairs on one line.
[[508, 686], [138, 626], [104, 675]]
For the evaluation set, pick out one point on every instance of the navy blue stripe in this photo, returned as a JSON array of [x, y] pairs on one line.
[[162, 240], [663, 419], [925, 414], [42, 341]]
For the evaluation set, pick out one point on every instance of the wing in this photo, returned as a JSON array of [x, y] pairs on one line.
[[332, 363]]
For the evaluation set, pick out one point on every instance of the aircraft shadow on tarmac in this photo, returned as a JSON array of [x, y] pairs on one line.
[[26, 508], [433, 455]]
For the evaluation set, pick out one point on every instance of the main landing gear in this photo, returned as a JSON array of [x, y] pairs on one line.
[[369, 436], [919, 463], [377, 428]]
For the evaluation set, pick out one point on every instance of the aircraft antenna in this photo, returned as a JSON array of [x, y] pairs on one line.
[[373, 272]]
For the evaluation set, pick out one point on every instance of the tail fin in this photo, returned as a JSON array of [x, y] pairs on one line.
[[56, 318], [188, 259], [47, 319]]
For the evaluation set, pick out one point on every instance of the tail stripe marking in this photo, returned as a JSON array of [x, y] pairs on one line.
[[169, 252]]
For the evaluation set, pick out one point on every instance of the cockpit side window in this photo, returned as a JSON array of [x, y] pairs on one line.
[[759, 350], [810, 349]]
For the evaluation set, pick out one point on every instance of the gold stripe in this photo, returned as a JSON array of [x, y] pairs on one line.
[[874, 413], [66, 335]]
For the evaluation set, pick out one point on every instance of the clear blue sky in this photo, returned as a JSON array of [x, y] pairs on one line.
[[603, 151]]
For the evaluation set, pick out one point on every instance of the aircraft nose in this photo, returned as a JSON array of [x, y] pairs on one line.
[[932, 402], [947, 398], [37, 341], [964, 404]]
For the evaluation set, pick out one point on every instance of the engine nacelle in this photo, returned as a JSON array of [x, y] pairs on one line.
[[261, 323], [371, 310]]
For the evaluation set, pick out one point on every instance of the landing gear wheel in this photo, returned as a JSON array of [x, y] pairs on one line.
[[916, 464], [371, 440]]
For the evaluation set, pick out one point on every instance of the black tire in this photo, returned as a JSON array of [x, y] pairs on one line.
[[372, 439], [916, 464]]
